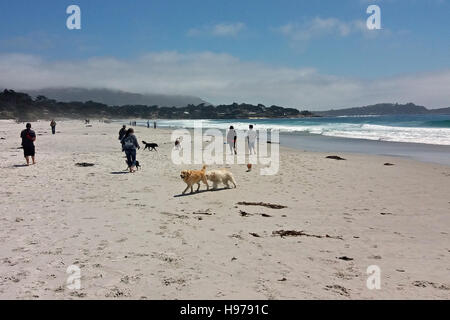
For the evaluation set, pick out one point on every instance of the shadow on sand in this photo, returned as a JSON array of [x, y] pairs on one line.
[[201, 191], [120, 172], [20, 165]]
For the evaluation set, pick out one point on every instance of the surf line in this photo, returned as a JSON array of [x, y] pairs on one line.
[[193, 310]]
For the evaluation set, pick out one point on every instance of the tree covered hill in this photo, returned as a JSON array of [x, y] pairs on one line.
[[115, 97], [383, 109], [21, 106]]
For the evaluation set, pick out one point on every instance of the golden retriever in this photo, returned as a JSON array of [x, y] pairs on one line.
[[192, 177], [220, 176]]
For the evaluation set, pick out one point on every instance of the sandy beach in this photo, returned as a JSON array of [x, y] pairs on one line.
[[134, 237]]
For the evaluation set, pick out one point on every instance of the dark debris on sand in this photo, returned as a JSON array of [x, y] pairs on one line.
[[246, 214], [335, 158], [345, 258], [268, 205], [206, 212], [255, 235], [84, 164], [389, 164], [293, 233]]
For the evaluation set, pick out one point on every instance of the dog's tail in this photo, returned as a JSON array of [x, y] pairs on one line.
[[204, 167], [144, 142]]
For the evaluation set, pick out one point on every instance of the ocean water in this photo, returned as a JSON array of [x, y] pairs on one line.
[[425, 129], [420, 137]]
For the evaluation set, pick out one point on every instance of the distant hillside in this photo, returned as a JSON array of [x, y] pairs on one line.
[[440, 111], [21, 106], [115, 97], [383, 109]]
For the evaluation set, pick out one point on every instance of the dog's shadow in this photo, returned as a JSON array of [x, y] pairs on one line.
[[201, 191]]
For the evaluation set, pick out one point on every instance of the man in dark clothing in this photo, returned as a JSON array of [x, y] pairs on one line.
[[53, 125], [28, 137], [122, 132]]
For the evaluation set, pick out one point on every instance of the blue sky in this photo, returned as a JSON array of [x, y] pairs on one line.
[[322, 47]]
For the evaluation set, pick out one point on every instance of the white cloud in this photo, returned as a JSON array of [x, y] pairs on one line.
[[320, 27], [221, 78], [218, 30]]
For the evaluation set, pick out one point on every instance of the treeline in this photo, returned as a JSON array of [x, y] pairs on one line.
[[22, 107], [383, 109]]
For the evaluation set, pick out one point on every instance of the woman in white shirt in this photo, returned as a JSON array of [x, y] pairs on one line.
[[251, 138], [231, 139]]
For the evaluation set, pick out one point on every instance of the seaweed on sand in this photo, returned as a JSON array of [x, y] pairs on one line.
[[84, 164], [335, 158], [268, 205], [294, 233]]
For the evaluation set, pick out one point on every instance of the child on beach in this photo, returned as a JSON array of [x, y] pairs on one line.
[[130, 143], [28, 137]]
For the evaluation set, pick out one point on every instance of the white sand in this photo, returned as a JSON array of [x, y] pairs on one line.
[[133, 239]]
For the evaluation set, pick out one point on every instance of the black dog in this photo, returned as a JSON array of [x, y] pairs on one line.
[[150, 146]]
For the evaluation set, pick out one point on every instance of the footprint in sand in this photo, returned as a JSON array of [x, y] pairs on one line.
[[78, 294], [338, 289], [424, 284], [171, 281]]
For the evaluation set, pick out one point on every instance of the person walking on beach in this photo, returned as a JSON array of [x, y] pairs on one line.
[[148, 123], [53, 125], [251, 139], [122, 132], [130, 144], [28, 137], [231, 139], [154, 124]]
